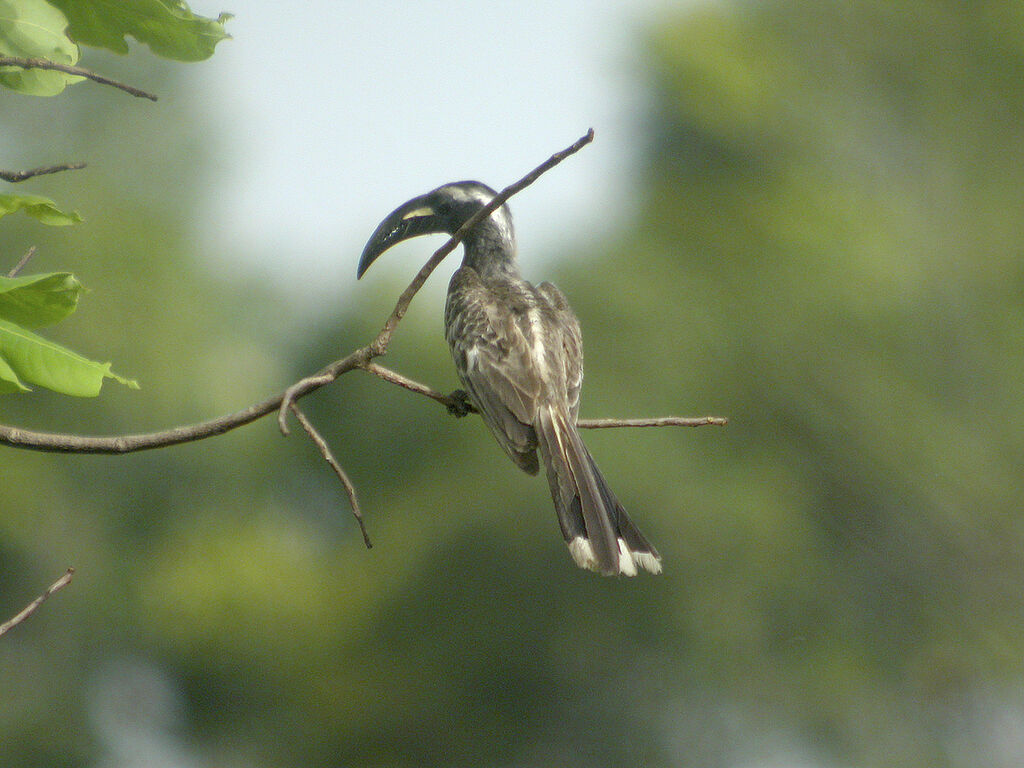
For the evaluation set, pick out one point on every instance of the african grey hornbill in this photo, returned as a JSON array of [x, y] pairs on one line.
[[518, 353]]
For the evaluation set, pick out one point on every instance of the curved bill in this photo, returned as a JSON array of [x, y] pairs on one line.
[[416, 217]]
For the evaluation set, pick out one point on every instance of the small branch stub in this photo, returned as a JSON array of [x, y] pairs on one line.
[[15, 176], [22, 262], [32, 607]]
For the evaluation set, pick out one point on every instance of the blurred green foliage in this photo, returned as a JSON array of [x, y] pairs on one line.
[[827, 250]]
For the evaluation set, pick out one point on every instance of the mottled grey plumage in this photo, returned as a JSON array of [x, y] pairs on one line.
[[518, 353]]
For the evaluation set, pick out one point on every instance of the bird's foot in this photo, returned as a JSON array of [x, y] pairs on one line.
[[459, 404]]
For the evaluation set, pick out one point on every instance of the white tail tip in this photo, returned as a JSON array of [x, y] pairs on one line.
[[583, 554]]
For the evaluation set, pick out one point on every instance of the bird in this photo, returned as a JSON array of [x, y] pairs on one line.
[[518, 353]]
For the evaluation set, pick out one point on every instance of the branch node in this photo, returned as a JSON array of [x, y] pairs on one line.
[[296, 390]]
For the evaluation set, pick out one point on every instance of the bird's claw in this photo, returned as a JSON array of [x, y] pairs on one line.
[[459, 405]]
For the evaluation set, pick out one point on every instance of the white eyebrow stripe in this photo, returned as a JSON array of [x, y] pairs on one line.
[[462, 194]]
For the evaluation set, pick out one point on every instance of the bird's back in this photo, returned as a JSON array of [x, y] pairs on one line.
[[516, 348]]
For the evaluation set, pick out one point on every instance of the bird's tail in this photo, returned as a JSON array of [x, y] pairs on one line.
[[599, 534]]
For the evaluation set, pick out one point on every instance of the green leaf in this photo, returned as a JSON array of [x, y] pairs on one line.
[[41, 208], [9, 381], [35, 360], [35, 301], [168, 27], [34, 29]]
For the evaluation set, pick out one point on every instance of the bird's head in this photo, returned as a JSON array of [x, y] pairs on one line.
[[444, 209]]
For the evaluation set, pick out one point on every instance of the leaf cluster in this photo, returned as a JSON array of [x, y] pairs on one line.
[[53, 30], [27, 358], [35, 37]]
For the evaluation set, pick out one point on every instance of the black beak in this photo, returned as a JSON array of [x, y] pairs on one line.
[[416, 217]]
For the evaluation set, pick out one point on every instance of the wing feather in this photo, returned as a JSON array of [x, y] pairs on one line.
[[572, 344], [491, 355]]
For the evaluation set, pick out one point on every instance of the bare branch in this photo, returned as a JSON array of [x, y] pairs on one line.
[[413, 386], [459, 406], [456, 403], [659, 421], [32, 607], [22, 261], [15, 61], [380, 344], [63, 443], [325, 451], [360, 358], [16, 176]]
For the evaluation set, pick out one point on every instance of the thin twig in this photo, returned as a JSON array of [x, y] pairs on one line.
[[15, 61], [32, 607], [325, 451], [460, 406], [380, 344], [116, 444], [22, 261], [359, 358], [406, 383], [286, 401], [16, 176], [658, 421]]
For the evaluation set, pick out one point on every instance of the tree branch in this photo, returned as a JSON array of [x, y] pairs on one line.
[[15, 176], [32, 607], [380, 344], [64, 443], [458, 405], [325, 451], [398, 379], [22, 261], [363, 357], [15, 61], [658, 421]]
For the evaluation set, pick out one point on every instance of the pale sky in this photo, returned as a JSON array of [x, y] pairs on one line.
[[334, 113]]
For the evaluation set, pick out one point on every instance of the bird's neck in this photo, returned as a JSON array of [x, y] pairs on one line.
[[491, 252]]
